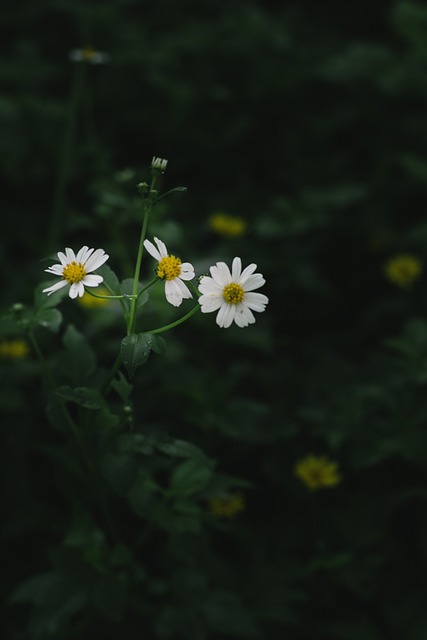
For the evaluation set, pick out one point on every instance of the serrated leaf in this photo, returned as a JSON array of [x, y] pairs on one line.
[[136, 349]]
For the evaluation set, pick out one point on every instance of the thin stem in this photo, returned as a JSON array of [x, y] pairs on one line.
[[96, 295], [147, 210], [177, 322], [194, 288], [147, 286]]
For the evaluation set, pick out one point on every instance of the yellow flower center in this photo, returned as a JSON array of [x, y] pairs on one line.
[[88, 53], [73, 272], [233, 293], [169, 268]]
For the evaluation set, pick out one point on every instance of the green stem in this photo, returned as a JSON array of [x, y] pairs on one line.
[[95, 295], [148, 203], [177, 322], [194, 288], [147, 286]]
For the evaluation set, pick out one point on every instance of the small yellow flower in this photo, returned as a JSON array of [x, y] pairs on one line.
[[90, 302], [228, 506], [317, 472], [403, 270], [14, 349], [226, 225]]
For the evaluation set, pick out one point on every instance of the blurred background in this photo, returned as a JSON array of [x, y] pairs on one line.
[[300, 131]]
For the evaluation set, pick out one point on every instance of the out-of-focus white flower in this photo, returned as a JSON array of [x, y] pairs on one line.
[[75, 269], [231, 293], [172, 270], [90, 55]]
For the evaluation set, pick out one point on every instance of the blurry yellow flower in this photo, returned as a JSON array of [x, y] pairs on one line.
[[226, 225], [89, 302], [403, 270], [227, 506], [317, 472], [14, 349]]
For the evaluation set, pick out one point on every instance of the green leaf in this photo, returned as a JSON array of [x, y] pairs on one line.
[[180, 449], [49, 319], [105, 420], [190, 477], [79, 361], [136, 350], [111, 281], [122, 386], [84, 396], [120, 470], [36, 589], [44, 301]]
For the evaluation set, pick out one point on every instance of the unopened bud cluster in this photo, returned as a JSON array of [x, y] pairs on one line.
[[159, 164]]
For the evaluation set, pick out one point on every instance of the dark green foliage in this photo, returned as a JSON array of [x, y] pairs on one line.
[[308, 121]]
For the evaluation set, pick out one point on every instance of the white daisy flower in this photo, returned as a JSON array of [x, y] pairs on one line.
[[232, 293], [74, 270], [172, 270]]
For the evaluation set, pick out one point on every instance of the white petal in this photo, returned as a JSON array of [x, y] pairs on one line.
[[173, 292], [62, 258], [248, 271], [186, 293], [187, 271], [56, 269], [83, 254], [254, 282], [244, 316], [77, 289], [226, 315], [256, 301], [96, 260], [221, 273], [162, 247], [210, 303], [152, 250], [71, 256], [236, 269], [92, 280], [208, 286], [55, 287]]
